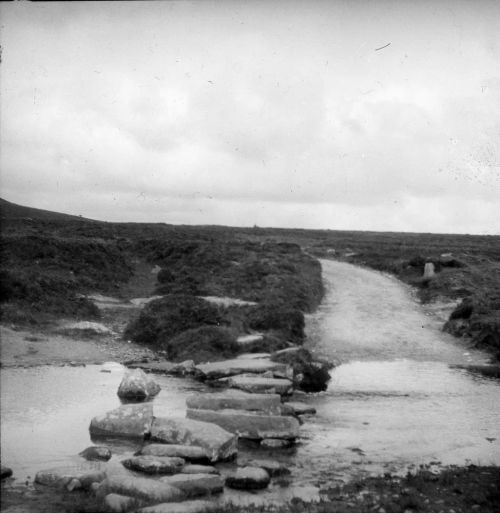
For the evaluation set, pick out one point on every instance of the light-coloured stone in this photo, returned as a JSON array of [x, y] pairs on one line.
[[196, 506], [136, 384], [116, 503], [154, 464], [225, 368], [248, 424], [196, 485], [249, 478], [218, 443], [236, 399], [248, 339], [260, 385], [142, 488], [89, 326], [428, 271], [128, 420], [164, 367], [187, 452]]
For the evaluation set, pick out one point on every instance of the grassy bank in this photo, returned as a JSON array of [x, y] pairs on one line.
[[459, 490]]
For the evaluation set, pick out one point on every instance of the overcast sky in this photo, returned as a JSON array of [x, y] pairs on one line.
[[366, 115]]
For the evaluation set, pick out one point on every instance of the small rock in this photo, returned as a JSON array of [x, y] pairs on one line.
[[99, 453], [196, 506], [272, 467], [199, 469], [275, 443], [249, 478]]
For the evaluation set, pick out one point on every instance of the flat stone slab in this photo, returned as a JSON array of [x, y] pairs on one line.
[[248, 425], [154, 464], [88, 326], [68, 479], [249, 478], [170, 368], [128, 420], [227, 301], [225, 368], [196, 506], [261, 385], [186, 452], [196, 485], [275, 443], [141, 488], [199, 469], [217, 442], [301, 408], [237, 400], [253, 356]]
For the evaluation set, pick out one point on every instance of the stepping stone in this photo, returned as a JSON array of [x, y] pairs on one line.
[[174, 369], [96, 453], [129, 420], [154, 464], [249, 425], [196, 506], [68, 479], [142, 488], [301, 408], [199, 469], [196, 485], [253, 356], [259, 385], [187, 452], [218, 443], [249, 478], [236, 400], [216, 370]]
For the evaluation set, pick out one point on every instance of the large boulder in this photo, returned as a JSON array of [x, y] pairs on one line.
[[309, 373], [260, 385], [187, 452], [137, 385], [249, 478], [130, 420], [196, 506], [142, 488], [196, 485], [225, 368], [236, 400], [218, 443], [249, 425], [154, 464]]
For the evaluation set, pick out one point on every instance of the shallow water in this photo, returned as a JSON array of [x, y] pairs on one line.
[[394, 401]]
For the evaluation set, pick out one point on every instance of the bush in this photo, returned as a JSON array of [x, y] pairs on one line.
[[288, 322], [204, 344], [164, 318]]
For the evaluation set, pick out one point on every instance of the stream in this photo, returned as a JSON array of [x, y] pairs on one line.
[[393, 403]]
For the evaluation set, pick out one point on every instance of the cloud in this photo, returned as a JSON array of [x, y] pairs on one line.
[[255, 112]]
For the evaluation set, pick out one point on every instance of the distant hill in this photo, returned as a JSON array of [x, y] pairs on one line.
[[12, 211]]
